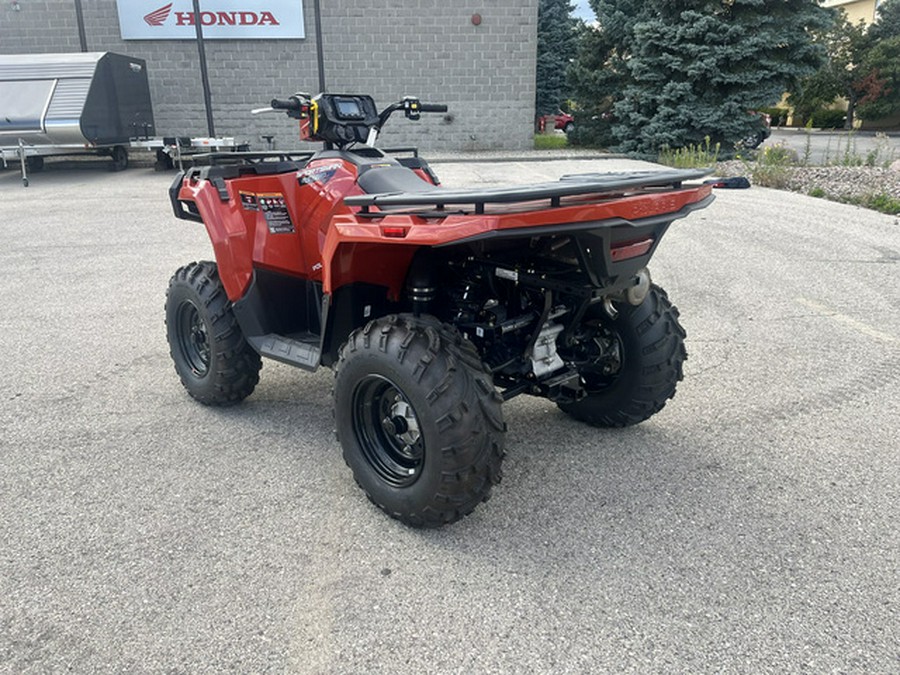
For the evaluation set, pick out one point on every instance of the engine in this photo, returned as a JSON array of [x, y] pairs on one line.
[[527, 322]]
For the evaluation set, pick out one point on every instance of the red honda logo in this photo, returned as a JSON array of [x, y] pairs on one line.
[[158, 16], [228, 18]]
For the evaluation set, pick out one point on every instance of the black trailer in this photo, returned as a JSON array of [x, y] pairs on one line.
[[64, 104]]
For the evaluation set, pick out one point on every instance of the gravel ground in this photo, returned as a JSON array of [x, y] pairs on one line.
[[847, 181], [844, 182]]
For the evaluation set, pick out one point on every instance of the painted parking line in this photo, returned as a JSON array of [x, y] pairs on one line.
[[849, 321]]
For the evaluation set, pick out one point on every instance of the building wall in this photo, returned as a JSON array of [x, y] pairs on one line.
[[856, 10], [387, 48]]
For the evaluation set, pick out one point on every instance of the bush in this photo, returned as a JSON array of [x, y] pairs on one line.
[[773, 166], [825, 118], [777, 155]]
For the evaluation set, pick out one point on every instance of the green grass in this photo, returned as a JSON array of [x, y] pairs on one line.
[[550, 142]]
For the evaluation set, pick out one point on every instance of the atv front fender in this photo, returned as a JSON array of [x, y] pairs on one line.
[[200, 201]]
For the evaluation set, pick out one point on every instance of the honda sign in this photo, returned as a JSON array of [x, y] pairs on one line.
[[221, 19]]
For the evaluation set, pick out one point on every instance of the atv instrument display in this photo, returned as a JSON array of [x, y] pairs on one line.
[[432, 305]]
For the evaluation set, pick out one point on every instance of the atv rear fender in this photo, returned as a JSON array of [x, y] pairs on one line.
[[377, 246]]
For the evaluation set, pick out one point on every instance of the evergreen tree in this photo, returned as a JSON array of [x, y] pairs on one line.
[[556, 46], [887, 21], [681, 70]]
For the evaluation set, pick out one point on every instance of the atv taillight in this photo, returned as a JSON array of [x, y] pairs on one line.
[[624, 250], [394, 231]]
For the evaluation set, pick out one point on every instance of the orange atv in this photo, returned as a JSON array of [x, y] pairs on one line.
[[432, 305]]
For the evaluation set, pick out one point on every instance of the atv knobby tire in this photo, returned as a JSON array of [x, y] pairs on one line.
[[418, 418], [214, 362], [651, 343]]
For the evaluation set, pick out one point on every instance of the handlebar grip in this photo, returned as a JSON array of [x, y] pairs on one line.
[[288, 104], [432, 107]]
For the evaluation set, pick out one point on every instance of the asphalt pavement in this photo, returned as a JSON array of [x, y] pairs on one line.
[[751, 526], [822, 147]]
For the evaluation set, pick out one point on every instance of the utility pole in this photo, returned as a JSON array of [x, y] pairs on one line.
[[204, 75]]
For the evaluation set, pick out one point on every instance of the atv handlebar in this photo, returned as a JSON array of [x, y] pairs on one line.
[[341, 119], [411, 108], [292, 103]]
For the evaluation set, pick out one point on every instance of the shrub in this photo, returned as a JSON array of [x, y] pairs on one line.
[[777, 155], [825, 118]]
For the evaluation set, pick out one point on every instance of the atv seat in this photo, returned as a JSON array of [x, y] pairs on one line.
[[392, 180]]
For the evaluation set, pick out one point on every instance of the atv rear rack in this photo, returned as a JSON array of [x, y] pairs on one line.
[[568, 186]]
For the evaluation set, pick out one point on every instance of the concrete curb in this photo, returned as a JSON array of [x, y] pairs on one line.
[[543, 157]]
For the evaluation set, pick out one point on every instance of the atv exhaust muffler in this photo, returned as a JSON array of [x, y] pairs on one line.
[[633, 295]]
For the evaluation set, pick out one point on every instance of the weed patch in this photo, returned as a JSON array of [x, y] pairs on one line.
[[691, 157]]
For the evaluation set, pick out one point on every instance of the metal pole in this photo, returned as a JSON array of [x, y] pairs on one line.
[[204, 75], [320, 55], [79, 19]]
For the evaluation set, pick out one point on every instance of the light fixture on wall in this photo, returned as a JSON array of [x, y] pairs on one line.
[[15, 5]]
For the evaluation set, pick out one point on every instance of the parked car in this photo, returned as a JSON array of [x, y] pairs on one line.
[[762, 132], [560, 120]]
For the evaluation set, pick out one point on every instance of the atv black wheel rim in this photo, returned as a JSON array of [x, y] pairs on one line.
[[388, 431], [193, 339]]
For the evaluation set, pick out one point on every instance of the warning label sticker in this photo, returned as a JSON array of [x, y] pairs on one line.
[[275, 212], [248, 201]]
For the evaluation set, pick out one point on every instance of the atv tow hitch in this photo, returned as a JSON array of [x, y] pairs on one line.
[[564, 387]]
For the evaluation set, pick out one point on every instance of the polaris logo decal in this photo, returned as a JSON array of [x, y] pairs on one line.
[[319, 174], [221, 19]]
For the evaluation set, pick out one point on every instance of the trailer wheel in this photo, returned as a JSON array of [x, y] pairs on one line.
[[119, 158], [214, 362], [419, 420], [639, 368]]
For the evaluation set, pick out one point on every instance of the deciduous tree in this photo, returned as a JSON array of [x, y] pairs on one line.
[[843, 73]]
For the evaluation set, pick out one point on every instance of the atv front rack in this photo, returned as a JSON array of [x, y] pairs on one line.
[[576, 185]]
